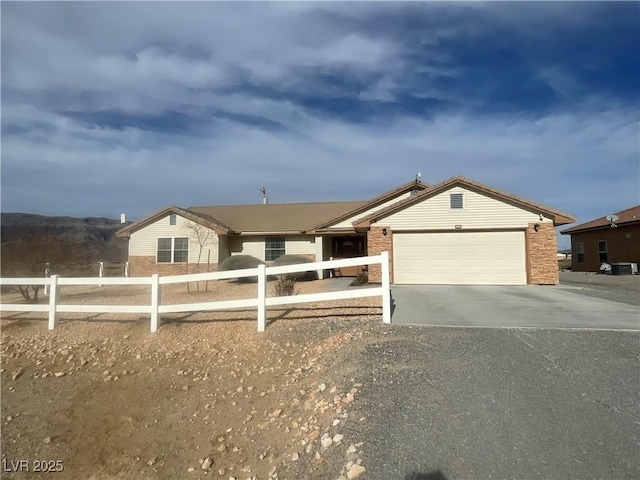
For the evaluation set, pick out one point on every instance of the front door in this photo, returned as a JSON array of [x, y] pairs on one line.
[[348, 247]]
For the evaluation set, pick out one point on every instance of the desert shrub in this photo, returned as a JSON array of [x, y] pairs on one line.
[[295, 260], [239, 262], [361, 279], [564, 264], [285, 286]]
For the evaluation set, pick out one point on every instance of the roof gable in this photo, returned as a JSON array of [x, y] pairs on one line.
[[212, 223], [373, 203], [628, 216], [559, 218]]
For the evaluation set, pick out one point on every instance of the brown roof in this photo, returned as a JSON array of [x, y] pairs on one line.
[[630, 215], [276, 217], [559, 218], [379, 200], [308, 217]]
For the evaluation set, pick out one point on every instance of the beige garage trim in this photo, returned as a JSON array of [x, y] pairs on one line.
[[460, 258]]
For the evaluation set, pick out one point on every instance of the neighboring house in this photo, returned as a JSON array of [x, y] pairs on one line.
[[603, 241], [456, 232]]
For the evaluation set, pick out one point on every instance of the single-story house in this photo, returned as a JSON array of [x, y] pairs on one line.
[[610, 239], [458, 231]]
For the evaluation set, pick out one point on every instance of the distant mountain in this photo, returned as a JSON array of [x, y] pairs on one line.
[[98, 232]]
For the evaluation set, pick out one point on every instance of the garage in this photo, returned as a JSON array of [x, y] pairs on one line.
[[460, 258]]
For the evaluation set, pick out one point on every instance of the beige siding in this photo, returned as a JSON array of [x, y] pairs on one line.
[[348, 222], [301, 245], [480, 211], [254, 245], [144, 242]]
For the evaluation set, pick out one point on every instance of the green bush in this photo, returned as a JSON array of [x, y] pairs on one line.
[[240, 262], [295, 260]]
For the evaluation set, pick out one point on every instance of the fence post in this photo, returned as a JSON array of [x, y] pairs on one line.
[[262, 298], [386, 289], [46, 274], [155, 302], [54, 299]]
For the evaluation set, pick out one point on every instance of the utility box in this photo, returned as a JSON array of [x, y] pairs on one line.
[[624, 268]]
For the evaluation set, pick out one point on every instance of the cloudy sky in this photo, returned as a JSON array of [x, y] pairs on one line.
[[132, 106]]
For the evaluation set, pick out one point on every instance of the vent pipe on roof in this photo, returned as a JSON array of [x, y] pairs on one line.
[[265, 199], [414, 191]]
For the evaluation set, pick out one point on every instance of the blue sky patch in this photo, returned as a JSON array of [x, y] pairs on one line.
[[205, 102]]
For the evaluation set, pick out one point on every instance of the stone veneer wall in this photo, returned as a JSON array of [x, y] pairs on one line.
[[145, 266], [542, 261], [376, 244]]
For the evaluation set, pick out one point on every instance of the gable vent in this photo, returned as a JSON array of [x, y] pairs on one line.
[[455, 201]]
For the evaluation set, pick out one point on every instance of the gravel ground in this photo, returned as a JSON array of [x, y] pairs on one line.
[[326, 392], [449, 404], [204, 397], [617, 288]]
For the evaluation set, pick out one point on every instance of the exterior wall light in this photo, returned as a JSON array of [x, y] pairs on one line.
[[384, 232], [536, 227]]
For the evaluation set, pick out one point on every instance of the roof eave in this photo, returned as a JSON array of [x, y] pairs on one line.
[[577, 229], [380, 199], [562, 220], [273, 232], [559, 218], [215, 226]]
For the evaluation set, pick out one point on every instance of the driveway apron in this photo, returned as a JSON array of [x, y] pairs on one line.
[[527, 306]]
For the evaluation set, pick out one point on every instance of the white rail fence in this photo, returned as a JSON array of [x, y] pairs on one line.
[[105, 269], [155, 309]]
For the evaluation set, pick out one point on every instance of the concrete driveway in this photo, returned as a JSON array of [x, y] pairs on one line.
[[508, 306]]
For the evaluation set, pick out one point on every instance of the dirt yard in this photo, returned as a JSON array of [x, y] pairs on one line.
[[205, 397], [618, 288]]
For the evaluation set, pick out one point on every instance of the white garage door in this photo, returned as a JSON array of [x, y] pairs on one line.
[[463, 258]]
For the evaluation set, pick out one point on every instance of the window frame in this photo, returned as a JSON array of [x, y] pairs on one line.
[[603, 254], [173, 250], [580, 252], [451, 204], [270, 250]]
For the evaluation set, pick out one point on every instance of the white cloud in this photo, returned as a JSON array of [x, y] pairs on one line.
[[146, 59]]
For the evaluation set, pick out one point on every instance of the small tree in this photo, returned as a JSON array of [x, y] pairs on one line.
[[28, 256], [202, 237]]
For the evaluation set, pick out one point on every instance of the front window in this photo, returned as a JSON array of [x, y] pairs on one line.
[[580, 252], [602, 251], [180, 250], [274, 247], [173, 250]]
